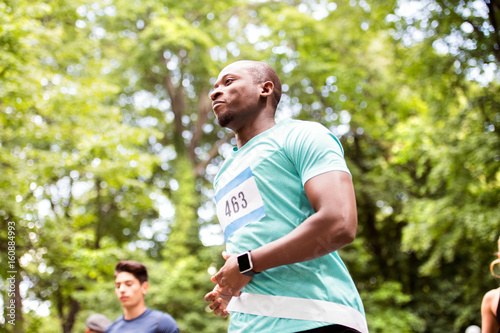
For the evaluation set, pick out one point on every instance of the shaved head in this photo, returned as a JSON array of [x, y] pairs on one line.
[[262, 72]]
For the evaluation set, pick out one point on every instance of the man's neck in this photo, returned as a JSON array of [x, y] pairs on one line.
[[134, 312], [247, 133]]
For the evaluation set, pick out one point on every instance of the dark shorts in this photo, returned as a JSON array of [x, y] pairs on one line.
[[331, 329]]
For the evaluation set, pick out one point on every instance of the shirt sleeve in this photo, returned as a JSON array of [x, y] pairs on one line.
[[314, 150]]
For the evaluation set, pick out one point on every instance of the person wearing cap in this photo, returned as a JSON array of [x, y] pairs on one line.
[[97, 323], [131, 286]]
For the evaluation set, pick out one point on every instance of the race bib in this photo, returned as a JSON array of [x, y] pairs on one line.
[[239, 203]]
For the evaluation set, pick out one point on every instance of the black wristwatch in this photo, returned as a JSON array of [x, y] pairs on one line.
[[245, 264]]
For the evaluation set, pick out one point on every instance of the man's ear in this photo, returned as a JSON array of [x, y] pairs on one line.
[[267, 88], [145, 287]]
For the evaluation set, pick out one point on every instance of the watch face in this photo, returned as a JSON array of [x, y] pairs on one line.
[[244, 262]]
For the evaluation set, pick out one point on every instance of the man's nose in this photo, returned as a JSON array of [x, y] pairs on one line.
[[216, 93]]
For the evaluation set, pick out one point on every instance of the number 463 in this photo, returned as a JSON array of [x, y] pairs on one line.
[[235, 203]]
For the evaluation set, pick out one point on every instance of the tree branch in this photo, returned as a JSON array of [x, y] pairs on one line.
[[212, 153], [493, 11], [177, 100], [204, 108]]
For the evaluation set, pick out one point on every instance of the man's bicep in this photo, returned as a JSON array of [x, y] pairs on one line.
[[331, 190]]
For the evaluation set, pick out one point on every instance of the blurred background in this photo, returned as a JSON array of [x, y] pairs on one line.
[[108, 147]]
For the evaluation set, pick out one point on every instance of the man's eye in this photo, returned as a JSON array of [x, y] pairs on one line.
[[228, 81]]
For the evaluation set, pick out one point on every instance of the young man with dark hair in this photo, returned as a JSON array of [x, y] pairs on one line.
[[131, 285], [285, 200]]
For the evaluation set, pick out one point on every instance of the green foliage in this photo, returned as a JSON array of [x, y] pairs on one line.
[[386, 306], [108, 147]]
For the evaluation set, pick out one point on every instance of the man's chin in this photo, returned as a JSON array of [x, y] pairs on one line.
[[224, 120]]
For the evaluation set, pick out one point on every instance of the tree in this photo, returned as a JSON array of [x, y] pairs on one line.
[[70, 186]]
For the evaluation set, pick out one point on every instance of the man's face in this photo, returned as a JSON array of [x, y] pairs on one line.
[[235, 96], [129, 290]]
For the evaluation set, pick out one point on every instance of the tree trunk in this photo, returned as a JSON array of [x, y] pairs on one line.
[[70, 320]]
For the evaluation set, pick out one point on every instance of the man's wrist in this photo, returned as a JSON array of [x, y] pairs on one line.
[[245, 264]]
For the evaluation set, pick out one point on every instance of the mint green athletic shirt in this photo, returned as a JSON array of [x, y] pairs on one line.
[[279, 162]]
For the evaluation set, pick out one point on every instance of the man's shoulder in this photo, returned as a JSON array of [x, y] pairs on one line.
[[160, 314], [306, 136], [166, 323], [113, 327], [292, 130], [298, 122], [295, 125]]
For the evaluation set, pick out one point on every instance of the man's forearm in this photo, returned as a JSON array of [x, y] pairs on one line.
[[308, 241]]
